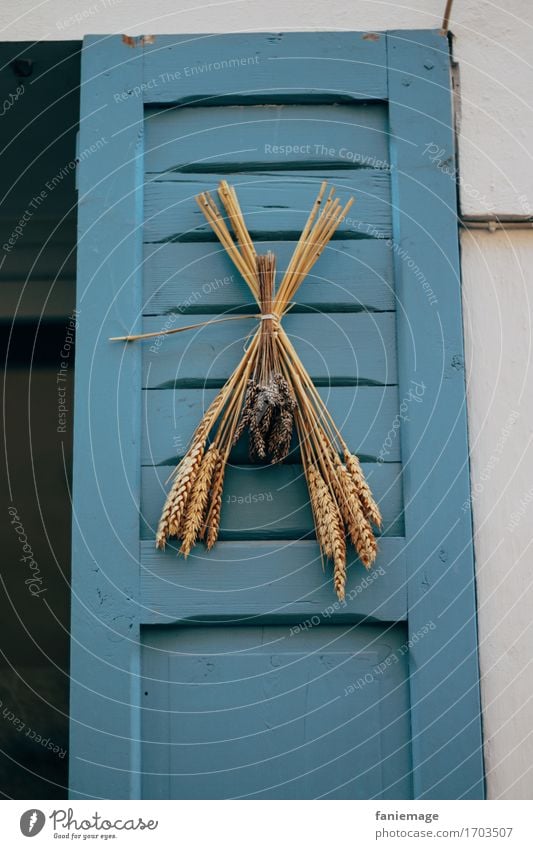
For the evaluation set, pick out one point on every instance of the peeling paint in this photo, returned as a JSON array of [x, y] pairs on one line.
[[138, 40]]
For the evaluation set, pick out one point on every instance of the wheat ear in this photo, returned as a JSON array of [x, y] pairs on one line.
[[338, 542], [316, 493], [163, 528], [329, 527], [359, 528], [173, 511], [197, 502], [370, 508], [212, 522]]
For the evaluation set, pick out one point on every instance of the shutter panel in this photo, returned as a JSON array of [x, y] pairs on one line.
[[236, 673]]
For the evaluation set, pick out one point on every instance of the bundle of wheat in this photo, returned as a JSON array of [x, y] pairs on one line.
[[269, 394]]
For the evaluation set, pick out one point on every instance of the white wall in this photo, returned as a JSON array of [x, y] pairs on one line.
[[493, 46], [498, 312]]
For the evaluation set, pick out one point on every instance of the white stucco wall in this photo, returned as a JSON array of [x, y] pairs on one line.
[[493, 46], [498, 304]]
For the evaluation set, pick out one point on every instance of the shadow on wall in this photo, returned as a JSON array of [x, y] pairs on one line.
[[39, 103]]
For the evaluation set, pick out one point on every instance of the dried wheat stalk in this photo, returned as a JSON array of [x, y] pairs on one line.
[[268, 395]]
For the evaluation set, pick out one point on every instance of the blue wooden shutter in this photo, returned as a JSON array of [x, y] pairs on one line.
[[236, 674]]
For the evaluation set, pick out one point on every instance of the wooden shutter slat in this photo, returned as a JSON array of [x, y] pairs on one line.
[[207, 356], [367, 416], [254, 67], [247, 138], [272, 503], [197, 278], [173, 590], [276, 206]]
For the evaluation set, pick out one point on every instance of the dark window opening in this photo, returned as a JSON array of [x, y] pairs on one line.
[[39, 104]]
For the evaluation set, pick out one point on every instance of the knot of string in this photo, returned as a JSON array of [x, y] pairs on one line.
[[272, 316]]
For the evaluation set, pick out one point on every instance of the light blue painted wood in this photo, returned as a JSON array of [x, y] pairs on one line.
[[283, 137], [381, 735], [444, 678], [272, 502], [277, 205], [237, 584], [105, 663], [201, 278], [366, 416], [343, 349], [264, 68], [299, 725]]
